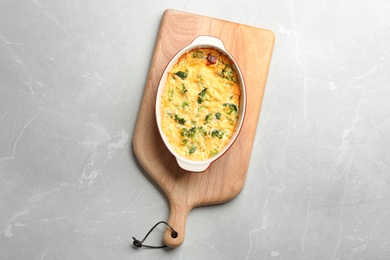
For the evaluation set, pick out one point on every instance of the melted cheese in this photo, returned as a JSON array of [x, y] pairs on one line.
[[200, 104]]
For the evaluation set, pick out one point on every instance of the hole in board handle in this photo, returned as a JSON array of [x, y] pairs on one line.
[[174, 234]]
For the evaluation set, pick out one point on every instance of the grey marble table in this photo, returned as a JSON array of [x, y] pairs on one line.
[[72, 75]]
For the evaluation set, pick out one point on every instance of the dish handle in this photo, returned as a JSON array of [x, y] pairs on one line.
[[193, 166], [208, 40]]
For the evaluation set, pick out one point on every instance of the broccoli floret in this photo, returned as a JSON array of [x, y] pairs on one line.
[[191, 149], [217, 133], [171, 92], [208, 118], [198, 54], [218, 115], [180, 120], [201, 96], [185, 104], [193, 132], [182, 88], [227, 73], [213, 152], [230, 108], [182, 74]]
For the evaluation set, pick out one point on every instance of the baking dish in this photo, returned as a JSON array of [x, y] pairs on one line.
[[201, 42]]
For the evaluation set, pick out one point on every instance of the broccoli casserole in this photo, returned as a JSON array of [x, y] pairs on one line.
[[200, 104]]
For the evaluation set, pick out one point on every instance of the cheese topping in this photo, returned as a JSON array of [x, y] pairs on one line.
[[200, 104]]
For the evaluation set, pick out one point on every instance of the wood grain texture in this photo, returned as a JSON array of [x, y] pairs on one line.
[[225, 178]]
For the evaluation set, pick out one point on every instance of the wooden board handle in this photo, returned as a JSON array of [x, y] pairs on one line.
[[177, 220]]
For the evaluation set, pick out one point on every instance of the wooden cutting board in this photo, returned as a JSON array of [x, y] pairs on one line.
[[225, 178]]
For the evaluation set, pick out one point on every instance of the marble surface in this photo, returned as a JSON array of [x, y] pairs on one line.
[[72, 78]]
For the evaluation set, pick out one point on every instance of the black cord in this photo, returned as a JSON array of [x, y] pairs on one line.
[[138, 244]]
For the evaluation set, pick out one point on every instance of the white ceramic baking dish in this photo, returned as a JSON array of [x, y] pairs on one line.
[[201, 42]]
